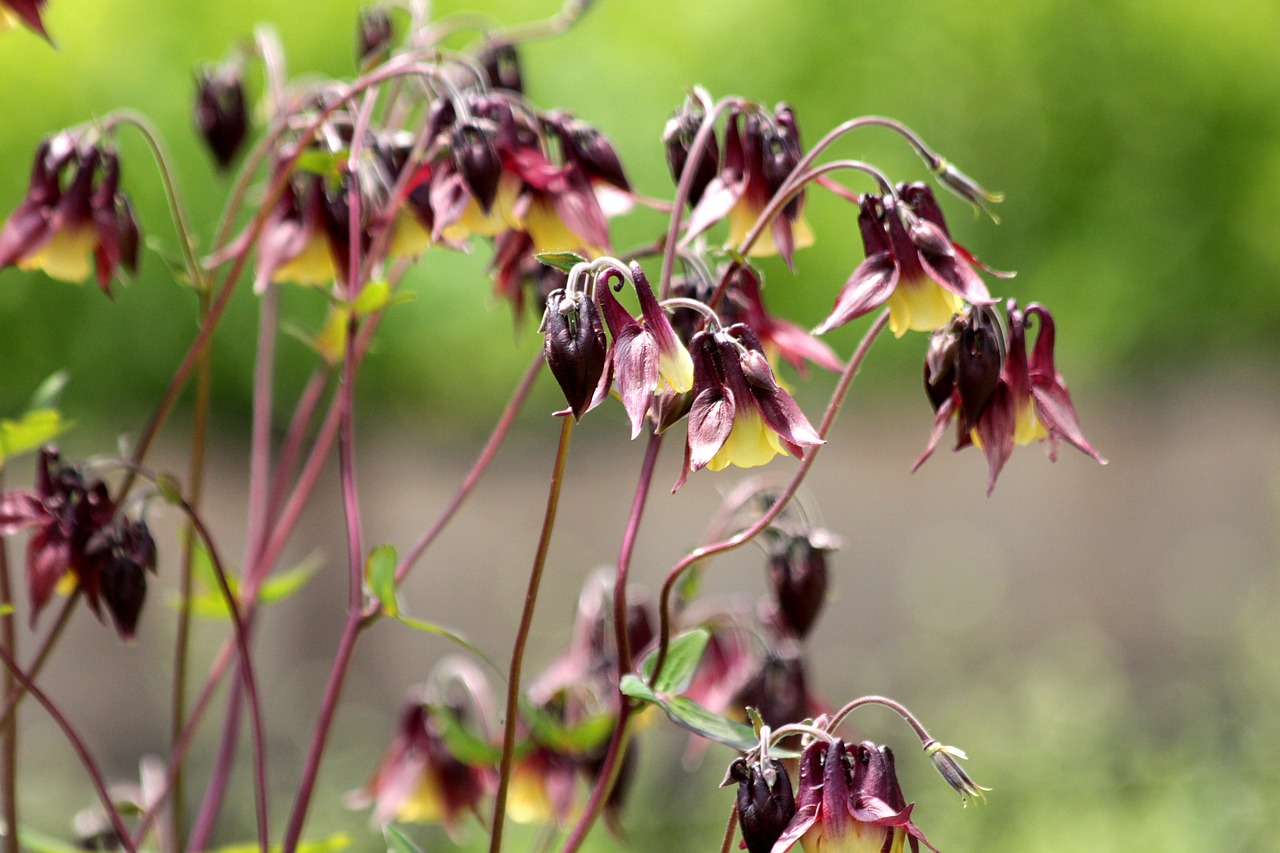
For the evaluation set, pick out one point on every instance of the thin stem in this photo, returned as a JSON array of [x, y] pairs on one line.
[[730, 829], [182, 642], [744, 536], [260, 439], [522, 636], [9, 748], [487, 455], [626, 549], [619, 741], [90, 766], [291, 446], [892, 705], [355, 580]]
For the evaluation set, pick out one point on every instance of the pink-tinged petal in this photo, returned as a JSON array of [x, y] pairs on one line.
[[635, 365], [25, 232], [449, 200], [796, 346], [941, 419], [676, 363], [710, 422], [19, 510], [578, 209], [835, 790], [48, 558], [1056, 412], [717, 200], [939, 259], [804, 818], [783, 240], [972, 259], [995, 432], [870, 286]]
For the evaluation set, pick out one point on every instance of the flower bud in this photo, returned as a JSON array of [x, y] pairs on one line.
[[373, 36], [798, 579], [678, 136], [501, 65], [476, 159], [575, 347], [221, 113], [766, 803]]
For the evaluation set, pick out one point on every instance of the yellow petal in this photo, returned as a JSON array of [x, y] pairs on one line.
[[67, 256], [408, 237], [743, 216], [425, 805], [313, 265], [921, 305], [750, 444], [676, 369]]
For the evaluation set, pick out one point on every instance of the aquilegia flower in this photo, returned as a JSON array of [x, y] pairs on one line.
[[766, 803], [911, 264], [221, 114], [849, 801], [26, 11], [739, 415], [72, 227], [1027, 401]]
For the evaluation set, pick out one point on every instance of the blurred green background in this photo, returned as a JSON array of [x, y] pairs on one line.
[[1138, 144]]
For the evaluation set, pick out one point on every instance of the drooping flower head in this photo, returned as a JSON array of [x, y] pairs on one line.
[[1027, 401], [221, 112], [797, 575], [766, 803], [739, 415], [911, 264], [75, 221], [849, 801]]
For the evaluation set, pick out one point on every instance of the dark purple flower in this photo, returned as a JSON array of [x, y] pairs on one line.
[[575, 349], [766, 803], [221, 113], [374, 33]]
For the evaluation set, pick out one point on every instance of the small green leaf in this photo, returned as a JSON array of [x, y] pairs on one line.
[[209, 603], [37, 842], [683, 655], [453, 636], [686, 713], [464, 744], [49, 392], [327, 163], [169, 490], [32, 430], [380, 575], [282, 585], [635, 687], [374, 296], [581, 737], [563, 261], [397, 841]]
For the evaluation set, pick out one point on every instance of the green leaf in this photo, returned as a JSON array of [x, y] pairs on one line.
[[683, 655], [282, 585], [636, 687], [49, 392], [380, 575], [686, 713], [563, 261], [374, 296], [37, 842], [32, 430], [453, 636], [170, 490], [328, 163], [397, 841], [464, 744], [581, 737], [209, 602]]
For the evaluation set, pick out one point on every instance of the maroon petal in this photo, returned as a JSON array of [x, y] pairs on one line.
[[1056, 412], [29, 12], [19, 510], [710, 422], [995, 430], [579, 209], [635, 366], [869, 287], [941, 419], [48, 558], [25, 232], [783, 239], [795, 346], [940, 260]]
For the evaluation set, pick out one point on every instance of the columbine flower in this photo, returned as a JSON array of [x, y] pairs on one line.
[[221, 114], [295, 245], [739, 415], [501, 64], [75, 529], [374, 33], [911, 264], [88, 227], [26, 11], [798, 577], [647, 356], [677, 137], [760, 152], [849, 801], [575, 349], [419, 780], [1029, 401], [766, 803]]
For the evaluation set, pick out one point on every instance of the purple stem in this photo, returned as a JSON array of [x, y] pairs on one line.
[[744, 536], [260, 441], [522, 636]]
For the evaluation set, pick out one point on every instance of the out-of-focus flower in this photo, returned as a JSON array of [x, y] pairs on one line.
[[294, 245], [26, 11], [1029, 401], [75, 529], [798, 577], [647, 357], [761, 150], [677, 137], [766, 803], [374, 33], [849, 801], [501, 63], [72, 231], [419, 780], [739, 415], [744, 303], [911, 264], [221, 114]]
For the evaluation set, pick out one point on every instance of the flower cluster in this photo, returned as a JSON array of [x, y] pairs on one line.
[[78, 531], [75, 220]]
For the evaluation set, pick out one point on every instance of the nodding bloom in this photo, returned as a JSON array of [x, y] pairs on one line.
[[647, 356], [849, 801], [501, 64], [76, 529], [739, 415], [998, 395], [798, 577], [419, 780], [766, 803], [71, 227], [374, 33], [677, 138], [25, 11], [761, 150], [911, 264], [575, 349], [221, 114]]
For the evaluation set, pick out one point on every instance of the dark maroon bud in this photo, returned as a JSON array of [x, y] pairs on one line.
[[766, 803], [755, 367], [441, 118], [587, 148], [678, 136], [477, 161], [798, 579], [940, 363], [979, 359], [373, 36], [501, 65], [575, 347], [779, 690], [221, 113]]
